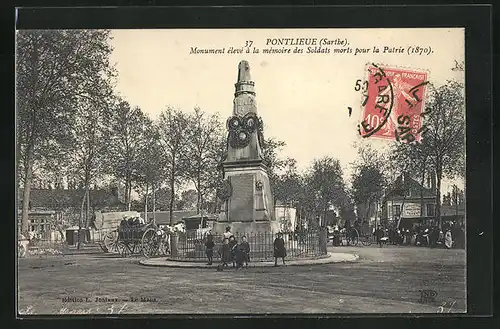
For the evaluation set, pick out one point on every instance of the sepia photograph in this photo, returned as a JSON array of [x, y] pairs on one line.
[[240, 171]]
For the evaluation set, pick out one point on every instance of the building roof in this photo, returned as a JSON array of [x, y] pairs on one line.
[[403, 184], [64, 198]]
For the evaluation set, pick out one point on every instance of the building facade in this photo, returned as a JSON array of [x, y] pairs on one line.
[[408, 203]]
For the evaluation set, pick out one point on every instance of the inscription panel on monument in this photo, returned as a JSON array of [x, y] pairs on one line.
[[241, 206]]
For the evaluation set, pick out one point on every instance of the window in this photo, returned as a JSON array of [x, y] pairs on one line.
[[396, 210], [430, 210]]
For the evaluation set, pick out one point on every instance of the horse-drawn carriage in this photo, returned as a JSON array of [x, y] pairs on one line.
[[350, 236], [132, 236]]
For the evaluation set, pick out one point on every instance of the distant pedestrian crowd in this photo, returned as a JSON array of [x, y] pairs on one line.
[[451, 235]]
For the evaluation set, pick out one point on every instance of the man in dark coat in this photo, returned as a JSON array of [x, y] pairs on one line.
[[209, 245], [379, 234], [279, 249]]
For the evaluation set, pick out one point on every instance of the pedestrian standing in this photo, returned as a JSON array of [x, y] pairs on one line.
[[379, 234], [448, 241], [209, 249], [225, 252], [233, 244], [279, 249], [245, 247]]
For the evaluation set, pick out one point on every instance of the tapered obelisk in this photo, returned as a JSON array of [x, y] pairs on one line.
[[248, 201]]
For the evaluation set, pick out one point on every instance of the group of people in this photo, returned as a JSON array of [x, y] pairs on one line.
[[451, 235], [238, 253]]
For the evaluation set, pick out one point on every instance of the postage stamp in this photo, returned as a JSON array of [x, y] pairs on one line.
[[393, 103]]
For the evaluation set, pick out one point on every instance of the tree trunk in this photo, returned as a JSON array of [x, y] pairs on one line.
[[129, 193], [80, 221], [422, 210], [154, 204], [146, 205], [173, 240], [87, 212], [439, 174], [172, 199], [198, 190], [26, 192]]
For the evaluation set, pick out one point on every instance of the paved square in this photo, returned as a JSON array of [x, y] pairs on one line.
[[384, 280]]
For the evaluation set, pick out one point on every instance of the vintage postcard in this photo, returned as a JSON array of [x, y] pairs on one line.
[[241, 171]]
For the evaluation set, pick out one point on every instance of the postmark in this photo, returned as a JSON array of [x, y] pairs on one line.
[[392, 103]]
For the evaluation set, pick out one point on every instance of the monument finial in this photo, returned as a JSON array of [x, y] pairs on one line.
[[244, 83], [244, 71]]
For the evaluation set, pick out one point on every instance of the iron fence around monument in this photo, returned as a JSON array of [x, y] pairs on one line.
[[298, 245]]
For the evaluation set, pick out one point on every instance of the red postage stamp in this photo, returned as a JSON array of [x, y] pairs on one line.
[[393, 103]]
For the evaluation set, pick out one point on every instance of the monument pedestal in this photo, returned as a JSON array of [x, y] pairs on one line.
[[250, 207]]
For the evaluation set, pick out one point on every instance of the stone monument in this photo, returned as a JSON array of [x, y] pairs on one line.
[[248, 201]]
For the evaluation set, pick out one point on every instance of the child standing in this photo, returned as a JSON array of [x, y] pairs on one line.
[[233, 245], [245, 248], [209, 245]]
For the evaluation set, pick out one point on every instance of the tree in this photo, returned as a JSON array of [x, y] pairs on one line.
[[89, 146], [149, 164], [288, 185], [127, 129], [368, 185], [189, 200], [203, 155], [445, 137], [270, 153], [53, 70], [173, 139], [327, 184]]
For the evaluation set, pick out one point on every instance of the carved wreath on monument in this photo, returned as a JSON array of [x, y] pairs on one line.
[[241, 128]]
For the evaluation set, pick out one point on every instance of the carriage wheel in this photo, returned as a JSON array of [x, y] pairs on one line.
[[150, 243], [110, 242], [366, 241], [123, 249]]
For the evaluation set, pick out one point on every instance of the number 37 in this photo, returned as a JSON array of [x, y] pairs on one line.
[[248, 43]]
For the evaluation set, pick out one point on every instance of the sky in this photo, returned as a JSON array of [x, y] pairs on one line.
[[303, 99]]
